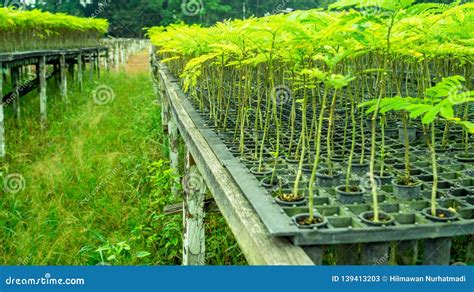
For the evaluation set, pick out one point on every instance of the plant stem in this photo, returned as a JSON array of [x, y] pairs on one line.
[[316, 157], [434, 189]]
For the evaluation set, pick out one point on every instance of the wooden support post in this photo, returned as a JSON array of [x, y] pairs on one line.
[[71, 70], [375, 254], [79, 71], [107, 61], [91, 67], [63, 76], [2, 119], [407, 252], [173, 136], [437, 251], [97, 64], [347, 254], [15, 72], [165, 110], [116, 56], [43, 96], [122, 54], [194, 243]]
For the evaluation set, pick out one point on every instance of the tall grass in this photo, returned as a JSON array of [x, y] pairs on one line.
[[96, 182]]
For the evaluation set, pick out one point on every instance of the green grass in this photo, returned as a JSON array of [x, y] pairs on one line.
[[96, 181]]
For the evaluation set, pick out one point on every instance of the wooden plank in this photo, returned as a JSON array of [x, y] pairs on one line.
[[257, 244], [2, 118]]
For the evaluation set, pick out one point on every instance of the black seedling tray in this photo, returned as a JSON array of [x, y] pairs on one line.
[[456, 191]]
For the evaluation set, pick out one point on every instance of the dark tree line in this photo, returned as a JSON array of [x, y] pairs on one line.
[[128, 17]]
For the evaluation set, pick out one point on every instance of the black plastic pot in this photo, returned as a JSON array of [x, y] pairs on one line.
[[360, 169], [448, 215], [350, 197], [300, 202], [264, 171], [325, 180], [465, 158], [412, 133], [407, 193], [386, 179], [338, 158], [384, 218], [323, 221], [280, 182]]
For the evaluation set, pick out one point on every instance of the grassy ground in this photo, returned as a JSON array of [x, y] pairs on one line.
[[91, 187]]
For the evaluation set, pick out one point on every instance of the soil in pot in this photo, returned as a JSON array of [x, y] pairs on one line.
[[406, 188], [442, 215], [384, 218], [262, 172], [302, 221], [354, 194], [276, 182], [289, 199], [325, 179]]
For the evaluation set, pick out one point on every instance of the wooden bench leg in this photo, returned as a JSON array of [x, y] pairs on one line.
[[43, 96], [194, 244]]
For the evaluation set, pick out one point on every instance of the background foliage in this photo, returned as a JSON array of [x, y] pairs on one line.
[[128, 17]]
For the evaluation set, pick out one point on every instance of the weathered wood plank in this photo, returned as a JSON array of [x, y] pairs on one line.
[[257, 244]]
